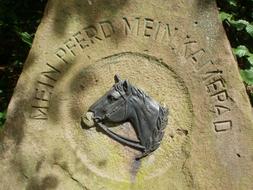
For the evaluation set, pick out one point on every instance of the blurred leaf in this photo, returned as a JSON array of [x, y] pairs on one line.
[[17, 63], [25, 37], [249, 29], [250, 60], [2, 118], [2, 115], [241, 51], [239, 24], [247, 76], [232, 2], [225, 16]]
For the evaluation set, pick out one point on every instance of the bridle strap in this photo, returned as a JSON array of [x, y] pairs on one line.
[[125, 101], [117, 137], [121, 139]]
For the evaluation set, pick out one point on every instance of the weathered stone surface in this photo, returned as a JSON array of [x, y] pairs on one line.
[[177, 52]]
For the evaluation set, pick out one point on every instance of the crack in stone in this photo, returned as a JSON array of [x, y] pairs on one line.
[[71, 176], [24, 175], [187, 173]]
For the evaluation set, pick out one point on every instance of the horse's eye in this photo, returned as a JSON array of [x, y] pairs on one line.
[[111, 98]]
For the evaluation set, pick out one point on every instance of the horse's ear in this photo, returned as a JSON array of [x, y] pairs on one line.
[[117, 78], [126, 85]]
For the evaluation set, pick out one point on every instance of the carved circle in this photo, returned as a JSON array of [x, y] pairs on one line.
[[103, 156]]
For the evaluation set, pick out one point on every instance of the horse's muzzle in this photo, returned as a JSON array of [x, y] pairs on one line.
[[88, 120]]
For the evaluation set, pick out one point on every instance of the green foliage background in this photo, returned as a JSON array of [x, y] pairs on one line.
[[237, 17], [19, 21]]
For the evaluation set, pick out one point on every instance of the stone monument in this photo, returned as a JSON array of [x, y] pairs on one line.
[[175, 51]]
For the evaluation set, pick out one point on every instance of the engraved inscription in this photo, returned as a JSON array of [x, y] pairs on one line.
[[220, 109], [217, 90], [40, 106], [213, 81], [84, 38], [92, 33], [131, 27], [107, 28], [60, 54], [145, 29], [148, 27], [43, 92], [222, 125]]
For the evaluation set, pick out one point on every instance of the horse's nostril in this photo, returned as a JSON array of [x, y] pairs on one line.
[[87, 119]]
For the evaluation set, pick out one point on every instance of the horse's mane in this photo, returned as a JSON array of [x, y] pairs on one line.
[[138, 92], [163, 112], [162, 119]]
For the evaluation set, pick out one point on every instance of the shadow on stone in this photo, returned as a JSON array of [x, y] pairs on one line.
[[88, 13], [55, 102], [14, 125], [88, 80], [48, 182], [30, 61], [203, 4]]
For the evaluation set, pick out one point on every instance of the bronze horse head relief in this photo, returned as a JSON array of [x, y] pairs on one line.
[[124, 102]]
